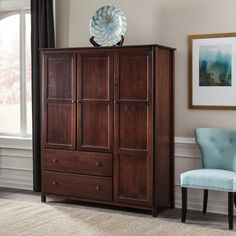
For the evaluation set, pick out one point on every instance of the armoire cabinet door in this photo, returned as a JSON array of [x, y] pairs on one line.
[[59, 100], [133, 161], [95, 100]]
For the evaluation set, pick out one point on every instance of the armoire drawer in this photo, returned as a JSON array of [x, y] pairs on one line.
[[89, 163], [80, 186]]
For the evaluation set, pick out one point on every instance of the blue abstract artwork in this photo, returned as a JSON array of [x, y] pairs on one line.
[[215, 65]]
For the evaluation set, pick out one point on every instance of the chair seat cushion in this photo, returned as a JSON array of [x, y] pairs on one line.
[[212, 179]]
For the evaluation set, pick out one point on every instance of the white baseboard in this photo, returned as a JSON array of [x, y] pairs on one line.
[[16, 163], [11, 182]]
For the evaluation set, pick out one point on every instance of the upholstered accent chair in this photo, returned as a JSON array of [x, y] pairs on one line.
[[218, 152]]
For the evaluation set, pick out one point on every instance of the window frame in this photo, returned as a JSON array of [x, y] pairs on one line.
[[22, 45]]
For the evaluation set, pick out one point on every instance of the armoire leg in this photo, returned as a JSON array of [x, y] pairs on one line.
[[43, 198], [154, 212]]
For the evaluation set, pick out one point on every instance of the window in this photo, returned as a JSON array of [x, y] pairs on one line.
[[15, 74]]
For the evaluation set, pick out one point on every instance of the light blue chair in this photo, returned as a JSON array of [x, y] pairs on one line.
[[218, 151]]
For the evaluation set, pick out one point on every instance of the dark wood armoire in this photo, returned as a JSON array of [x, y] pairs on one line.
[[108, 125]]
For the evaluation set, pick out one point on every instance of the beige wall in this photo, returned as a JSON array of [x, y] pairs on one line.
[[167, 22]]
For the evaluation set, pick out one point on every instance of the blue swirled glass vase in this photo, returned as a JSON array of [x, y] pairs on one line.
[[107, 25]]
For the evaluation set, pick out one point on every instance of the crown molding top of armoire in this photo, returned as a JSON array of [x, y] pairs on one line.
[[102, 47]]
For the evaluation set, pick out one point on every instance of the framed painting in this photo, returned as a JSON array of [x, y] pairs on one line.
[[212, 71]]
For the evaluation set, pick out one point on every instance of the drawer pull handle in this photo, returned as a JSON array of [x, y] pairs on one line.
[[54, 182], [98, 163], [54, 160], [98, 188]]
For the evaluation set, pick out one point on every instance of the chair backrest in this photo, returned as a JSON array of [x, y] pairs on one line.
[[218, 148]]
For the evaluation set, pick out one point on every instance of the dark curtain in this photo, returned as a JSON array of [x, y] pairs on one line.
[[42, 36]]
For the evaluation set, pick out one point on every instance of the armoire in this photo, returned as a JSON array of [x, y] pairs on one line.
[[107, 125]]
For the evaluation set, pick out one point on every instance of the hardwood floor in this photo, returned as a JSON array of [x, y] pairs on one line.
[[210, 220]]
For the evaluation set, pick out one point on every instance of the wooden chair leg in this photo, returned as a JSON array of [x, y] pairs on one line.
[[205, 199], [230, 209], [184, 204], [235, 199]]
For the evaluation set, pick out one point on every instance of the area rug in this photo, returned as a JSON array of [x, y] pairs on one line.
[[22, 218]]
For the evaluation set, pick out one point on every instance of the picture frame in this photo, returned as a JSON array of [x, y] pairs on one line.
[[212, 71]]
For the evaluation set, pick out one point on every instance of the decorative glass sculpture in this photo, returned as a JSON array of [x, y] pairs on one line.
[[108, 26]]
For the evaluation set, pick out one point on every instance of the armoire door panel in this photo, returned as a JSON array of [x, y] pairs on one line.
[[94, 127], [133, 124], [95, 77], [95, 100], [133, 77], [59, 96], [133, 160], [60, 76], [133, 185], [60, 125], [133, 72]]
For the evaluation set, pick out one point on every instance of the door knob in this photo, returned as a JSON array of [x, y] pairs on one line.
[[98, 163]]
